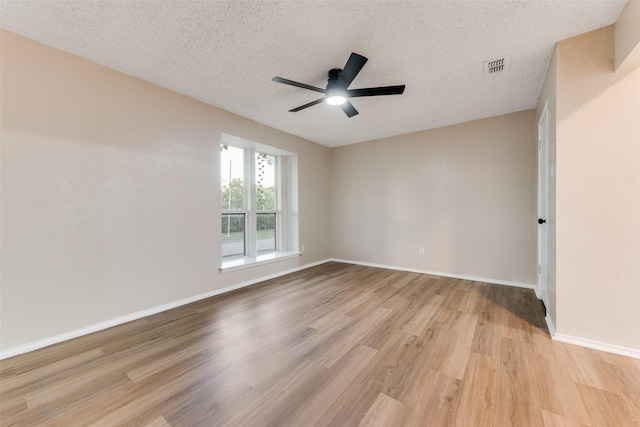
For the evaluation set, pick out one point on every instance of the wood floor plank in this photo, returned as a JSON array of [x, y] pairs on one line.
[[346, 339], [433, 405], [557, 390], [340, 376], [487, 339], [213, 402], [388, 372], [14, 388], [131, 405], [332, 345], [518, 399], [385, 411], [554, 420], [456, 338], [479, 396], [176, 351], [605, 407], [269, 363], [281, 399], [419, 322], [66, 349], [158, 422]]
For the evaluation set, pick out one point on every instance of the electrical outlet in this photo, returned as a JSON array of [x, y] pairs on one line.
[[421, 250], [302, 248]]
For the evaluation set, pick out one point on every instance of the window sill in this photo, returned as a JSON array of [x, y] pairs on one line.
[[249, 262]]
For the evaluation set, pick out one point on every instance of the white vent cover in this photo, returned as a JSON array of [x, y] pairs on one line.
[[497, 65]]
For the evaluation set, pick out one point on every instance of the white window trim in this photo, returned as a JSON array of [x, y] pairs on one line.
[[242, 263], [286, 209], [250, 232]]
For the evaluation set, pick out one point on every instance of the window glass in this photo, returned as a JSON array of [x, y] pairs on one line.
[[265, 182], [233, 235], [266, 201], [232, 177], [266, 232], [232, 190]]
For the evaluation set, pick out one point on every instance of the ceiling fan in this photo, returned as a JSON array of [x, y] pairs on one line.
[[337, 92]]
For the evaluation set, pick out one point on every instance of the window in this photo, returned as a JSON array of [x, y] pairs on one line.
[[259, 203]]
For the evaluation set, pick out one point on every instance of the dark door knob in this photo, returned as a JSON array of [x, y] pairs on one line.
[[541, 221]]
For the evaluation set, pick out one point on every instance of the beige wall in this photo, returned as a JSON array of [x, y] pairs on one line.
[[548, 96], [598, 193], [466, 193], [111, 194], [627, 38]]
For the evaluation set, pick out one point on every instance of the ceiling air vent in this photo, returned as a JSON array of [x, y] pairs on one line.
[[497, 65]]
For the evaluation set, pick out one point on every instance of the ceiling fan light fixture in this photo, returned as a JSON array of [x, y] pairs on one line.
[[336, 97], [336, 100]]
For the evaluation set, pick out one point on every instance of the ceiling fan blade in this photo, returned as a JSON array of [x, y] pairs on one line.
[[296, 84], [349, 109], [311, 104], [351, 70], [376, 91]]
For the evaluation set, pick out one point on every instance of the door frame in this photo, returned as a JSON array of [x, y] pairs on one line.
[[543, 204]]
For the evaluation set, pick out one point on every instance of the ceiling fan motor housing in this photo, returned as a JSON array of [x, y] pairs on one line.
[[334, 74]]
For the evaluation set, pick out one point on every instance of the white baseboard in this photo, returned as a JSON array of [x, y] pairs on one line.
[[35, 345], [439, 273], [596, 345], [550, 325]]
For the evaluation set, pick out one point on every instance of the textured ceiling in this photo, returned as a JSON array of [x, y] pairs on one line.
[[226, 52]]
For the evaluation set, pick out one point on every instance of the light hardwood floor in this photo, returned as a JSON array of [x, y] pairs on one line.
[[334, 345]]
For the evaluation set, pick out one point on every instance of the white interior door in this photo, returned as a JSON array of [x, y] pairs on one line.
[[543, 202]]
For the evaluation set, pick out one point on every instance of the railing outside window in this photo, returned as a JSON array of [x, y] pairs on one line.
[[233, 236]]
